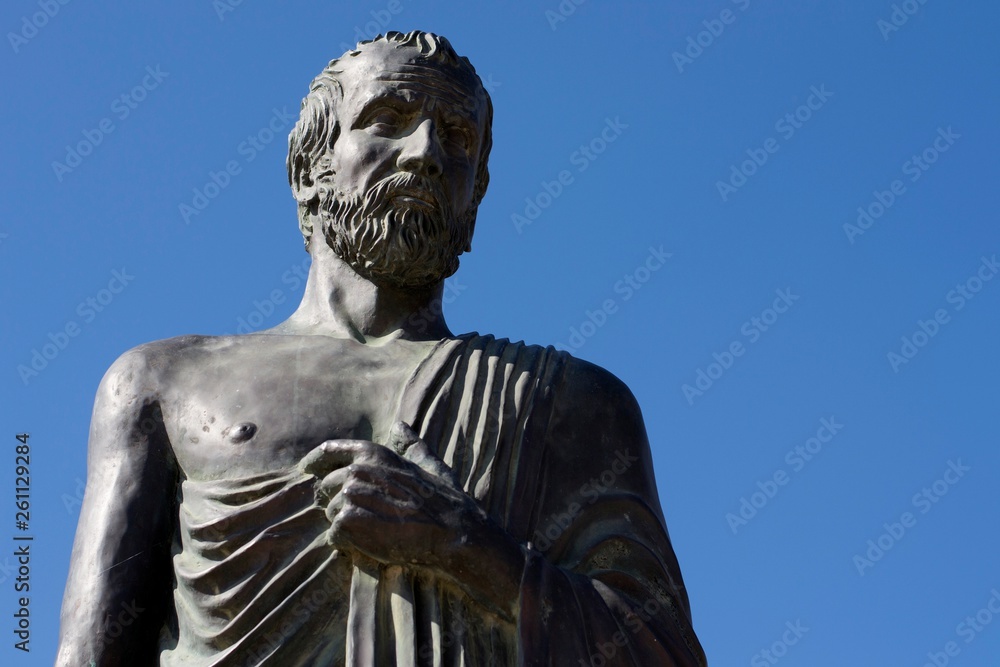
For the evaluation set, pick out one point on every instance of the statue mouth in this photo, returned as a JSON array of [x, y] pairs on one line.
[[415, 197]]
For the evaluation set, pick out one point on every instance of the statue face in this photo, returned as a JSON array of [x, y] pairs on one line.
[[403, 169]]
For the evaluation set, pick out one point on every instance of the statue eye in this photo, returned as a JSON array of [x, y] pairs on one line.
[[383, 119], [458, 135]]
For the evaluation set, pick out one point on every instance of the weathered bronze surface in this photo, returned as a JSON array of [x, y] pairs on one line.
[[358, 485]]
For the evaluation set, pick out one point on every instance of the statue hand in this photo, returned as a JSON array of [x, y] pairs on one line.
[[404, 509], [407, 508]]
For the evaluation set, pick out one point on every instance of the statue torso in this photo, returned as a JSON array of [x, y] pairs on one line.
[[242, 405]]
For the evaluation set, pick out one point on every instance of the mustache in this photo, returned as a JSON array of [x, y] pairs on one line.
[[406, 184]]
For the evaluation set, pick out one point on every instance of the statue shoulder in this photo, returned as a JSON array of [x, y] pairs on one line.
[[594, 418], [581, 388], [580, 383], [137, 376], [589, 389], [596, 431]]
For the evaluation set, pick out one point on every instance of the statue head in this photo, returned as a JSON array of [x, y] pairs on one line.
[[389, 157]]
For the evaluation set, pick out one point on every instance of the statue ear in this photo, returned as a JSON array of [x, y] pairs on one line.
[[304, 173], [302, 182]]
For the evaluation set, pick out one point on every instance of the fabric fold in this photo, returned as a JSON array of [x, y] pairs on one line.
[[604, 589]]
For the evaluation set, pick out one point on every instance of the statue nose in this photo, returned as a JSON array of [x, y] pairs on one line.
[[421, 151]]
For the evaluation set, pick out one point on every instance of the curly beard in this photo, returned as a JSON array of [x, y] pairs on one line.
[[411, 244]]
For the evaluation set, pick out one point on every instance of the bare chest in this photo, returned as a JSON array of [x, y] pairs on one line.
[[263, 403]]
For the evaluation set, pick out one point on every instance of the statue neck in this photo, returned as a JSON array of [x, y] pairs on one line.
[[341, 303]]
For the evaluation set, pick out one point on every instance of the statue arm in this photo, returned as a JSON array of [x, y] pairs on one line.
[[601, 578], [120, 580]]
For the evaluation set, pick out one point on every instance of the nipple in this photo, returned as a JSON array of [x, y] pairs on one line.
[[239, 433]]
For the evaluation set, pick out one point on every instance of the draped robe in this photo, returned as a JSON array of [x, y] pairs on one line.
[[552, 448]]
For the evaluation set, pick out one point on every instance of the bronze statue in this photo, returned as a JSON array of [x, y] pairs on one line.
[[359, 486]]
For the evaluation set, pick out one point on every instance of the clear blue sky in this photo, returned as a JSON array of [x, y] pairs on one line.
[[739, 137]]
